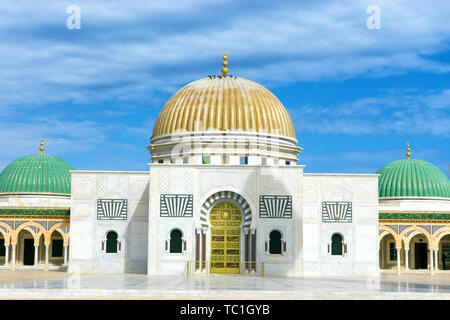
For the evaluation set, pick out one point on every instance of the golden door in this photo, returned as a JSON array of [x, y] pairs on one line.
[[225, 218]]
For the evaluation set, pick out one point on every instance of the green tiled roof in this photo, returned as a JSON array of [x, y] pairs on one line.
[[36, 173], [412, 178]]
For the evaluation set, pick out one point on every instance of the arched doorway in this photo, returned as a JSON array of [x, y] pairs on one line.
[[419, 251], [225, 218], [2, 249], [26, 248], [56, 254], [388, 252], [444, 253]]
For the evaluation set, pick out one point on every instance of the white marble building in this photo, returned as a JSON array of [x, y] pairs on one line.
[[224, 195]]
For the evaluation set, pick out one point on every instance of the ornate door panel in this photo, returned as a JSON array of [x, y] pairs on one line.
[[225, 218]]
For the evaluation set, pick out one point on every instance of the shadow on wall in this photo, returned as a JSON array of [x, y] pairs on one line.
[[271, 181], [136, 236]]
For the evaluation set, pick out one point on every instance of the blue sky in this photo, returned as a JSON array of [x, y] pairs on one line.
[[355, 95]]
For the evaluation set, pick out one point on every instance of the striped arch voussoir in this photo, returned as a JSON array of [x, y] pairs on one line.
[[226, 195]]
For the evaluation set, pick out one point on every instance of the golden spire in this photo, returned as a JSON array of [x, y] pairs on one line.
[[408, 154], [41, 148], [225, 63]]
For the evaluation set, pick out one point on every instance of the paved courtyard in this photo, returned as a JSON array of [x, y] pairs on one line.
[[28, 284]]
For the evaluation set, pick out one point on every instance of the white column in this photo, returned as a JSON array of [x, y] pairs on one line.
[[47, 245], [203, 247], [201, 250], [250, 249], [379, 254], [65, 254], [253, 255], [13, 262], [406, 259], [6, 254], [248, 257], [36, 252], [431, 261], [436, 261], [398, 260]]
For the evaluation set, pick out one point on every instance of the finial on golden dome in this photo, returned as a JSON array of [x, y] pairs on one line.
[[41, 148], [408, 154], [225, 63]]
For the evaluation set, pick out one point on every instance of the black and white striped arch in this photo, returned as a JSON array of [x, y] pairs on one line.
[[226, 196]]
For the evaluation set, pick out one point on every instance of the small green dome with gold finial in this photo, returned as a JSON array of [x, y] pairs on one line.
[[36, 173], [412, 178]]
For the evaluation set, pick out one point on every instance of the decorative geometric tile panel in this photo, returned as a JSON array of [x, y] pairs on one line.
[[18, 223], [42, 223], [275, 206], [9, 223], [434, 228], [403, 227], [52, 223], [428, 228], [112, 209], [176, 205], [336, 211], [413, 216], [393, 227], [409, 232]]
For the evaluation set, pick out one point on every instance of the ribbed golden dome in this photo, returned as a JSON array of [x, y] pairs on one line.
[[226, 104]]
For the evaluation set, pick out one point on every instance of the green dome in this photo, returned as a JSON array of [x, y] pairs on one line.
[[36, 173], [412, 178]]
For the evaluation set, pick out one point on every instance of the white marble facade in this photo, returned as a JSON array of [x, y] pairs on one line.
[[34, 201], [411, 204], [88, 233], [143, 236]]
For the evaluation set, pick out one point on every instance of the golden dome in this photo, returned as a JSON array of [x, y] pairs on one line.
[[224, 103]]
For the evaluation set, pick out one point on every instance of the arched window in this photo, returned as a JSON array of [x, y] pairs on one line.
[[176, 245], [111, 242], [275, 242], [336, 245]]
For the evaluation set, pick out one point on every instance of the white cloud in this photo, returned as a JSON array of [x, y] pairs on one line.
[[395, 112], [130, 50], [133, 53]]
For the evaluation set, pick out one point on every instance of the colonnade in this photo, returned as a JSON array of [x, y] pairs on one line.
[[14, 259]]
